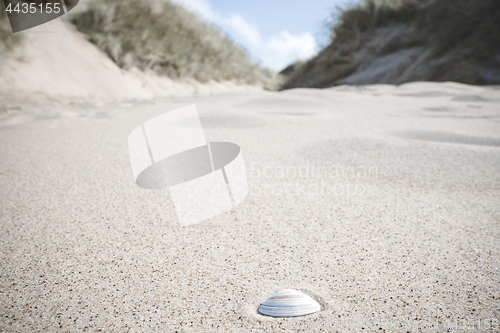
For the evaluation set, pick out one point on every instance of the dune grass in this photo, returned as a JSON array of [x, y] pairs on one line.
[[370, 15], [8, 40], [463, 31], [466, 24], [441, 24], [163, 37]]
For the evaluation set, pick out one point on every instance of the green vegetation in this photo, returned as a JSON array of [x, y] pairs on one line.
[[454, 34], [163, 37]]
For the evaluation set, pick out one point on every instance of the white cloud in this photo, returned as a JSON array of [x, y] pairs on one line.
[[247, 30], [275, 52], [283, 49]]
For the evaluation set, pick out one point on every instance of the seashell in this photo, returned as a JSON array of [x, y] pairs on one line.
[[289, 303]]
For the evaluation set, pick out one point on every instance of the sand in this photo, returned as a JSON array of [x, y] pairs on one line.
[[56, 60], [380, 202]]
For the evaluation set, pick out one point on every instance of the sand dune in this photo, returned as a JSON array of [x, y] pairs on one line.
[[60, 62], [382, 202]]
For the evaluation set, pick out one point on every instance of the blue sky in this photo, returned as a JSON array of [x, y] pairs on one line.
[[275, 32]]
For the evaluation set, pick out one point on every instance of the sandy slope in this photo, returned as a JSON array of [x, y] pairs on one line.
[[58, 61], [401, 229]]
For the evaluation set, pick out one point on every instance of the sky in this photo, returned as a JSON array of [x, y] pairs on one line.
[[275, 33]]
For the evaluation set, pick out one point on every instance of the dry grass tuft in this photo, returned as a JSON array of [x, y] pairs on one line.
[[164, 37], [471, 24], [8, 40], [370, 15], [455, 36]]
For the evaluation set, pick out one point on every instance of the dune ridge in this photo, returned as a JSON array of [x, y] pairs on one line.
[[400, 41]]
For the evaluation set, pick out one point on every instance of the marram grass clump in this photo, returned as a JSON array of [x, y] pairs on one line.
[[160, 36], [450, 40], [370, 15], [8, 40]]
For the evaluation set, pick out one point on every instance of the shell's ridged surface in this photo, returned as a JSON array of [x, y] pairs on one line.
[[289, 303]]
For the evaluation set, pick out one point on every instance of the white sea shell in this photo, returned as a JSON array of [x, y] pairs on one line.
[[289, 303]]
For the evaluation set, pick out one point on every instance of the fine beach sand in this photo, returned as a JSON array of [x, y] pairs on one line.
[[380, 202], [56, 60]]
